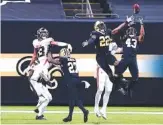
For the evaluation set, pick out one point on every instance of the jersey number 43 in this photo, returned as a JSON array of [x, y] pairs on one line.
[[104, 40], [131, 43], [72, 67]]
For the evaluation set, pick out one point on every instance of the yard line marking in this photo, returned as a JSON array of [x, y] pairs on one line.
[[85, 124], [79, 112]]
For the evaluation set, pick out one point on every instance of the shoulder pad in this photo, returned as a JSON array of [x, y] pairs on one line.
[[35, 43], [50, 39], [93, 33]]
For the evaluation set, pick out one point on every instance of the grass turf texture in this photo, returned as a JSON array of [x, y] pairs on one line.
[[56, 118]]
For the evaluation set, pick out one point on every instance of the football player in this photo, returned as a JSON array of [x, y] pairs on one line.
[[74, 84], [103, 82], [129, 58], [102, 38], [40, 71]]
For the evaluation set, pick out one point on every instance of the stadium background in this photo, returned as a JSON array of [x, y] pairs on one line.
[[17, 38]]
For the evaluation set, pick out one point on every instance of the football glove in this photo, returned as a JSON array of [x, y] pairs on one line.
[[130, 20], [69, 47], [141, 21], [85, 43]]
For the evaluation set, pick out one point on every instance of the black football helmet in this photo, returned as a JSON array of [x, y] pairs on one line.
[[42, 33]]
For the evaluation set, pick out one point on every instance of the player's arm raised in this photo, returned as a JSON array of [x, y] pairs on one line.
[[62, 44], [89, 41], [129, 21], [142, 31]]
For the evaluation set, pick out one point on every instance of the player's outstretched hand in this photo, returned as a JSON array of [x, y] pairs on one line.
[[85, 43], [130, 20], [69, 47], [141, 21]]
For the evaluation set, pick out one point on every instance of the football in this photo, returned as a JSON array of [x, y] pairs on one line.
[[136, 8]]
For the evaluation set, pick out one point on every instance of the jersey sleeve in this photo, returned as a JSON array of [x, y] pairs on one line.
[[35, 43], [62, 60], [49, 41], [93, 37]]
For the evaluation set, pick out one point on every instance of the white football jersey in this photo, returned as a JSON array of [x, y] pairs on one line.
[[42, 49]]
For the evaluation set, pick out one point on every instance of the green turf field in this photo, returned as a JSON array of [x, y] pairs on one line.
[[55, 114]]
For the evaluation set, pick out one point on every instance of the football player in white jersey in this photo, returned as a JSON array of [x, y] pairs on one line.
[[40, 71]]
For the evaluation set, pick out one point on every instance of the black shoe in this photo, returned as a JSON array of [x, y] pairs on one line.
[[36, 111], [40, 117], [86, 116], [67, 119]]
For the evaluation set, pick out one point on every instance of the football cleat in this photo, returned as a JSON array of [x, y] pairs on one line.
[[67, 119], [96, 111], [86, 116], [103, 114], [36, 111], [40, 117]]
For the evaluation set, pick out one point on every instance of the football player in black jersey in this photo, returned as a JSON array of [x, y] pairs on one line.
[[74, 84], [130, 44], [102, 37]]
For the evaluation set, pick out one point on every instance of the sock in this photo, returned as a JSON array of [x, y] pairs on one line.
[[71, 108], [80, 105], [42, 107], [106, 99], [40, 101], [97, 98]]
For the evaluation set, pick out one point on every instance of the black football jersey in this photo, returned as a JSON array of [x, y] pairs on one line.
[[69, 67], [130, 46], [101, 41]]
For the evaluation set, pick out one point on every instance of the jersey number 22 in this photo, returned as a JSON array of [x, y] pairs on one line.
[[104, 41]]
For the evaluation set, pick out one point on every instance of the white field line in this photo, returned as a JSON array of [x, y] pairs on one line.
[[84, 124], [79, 112]]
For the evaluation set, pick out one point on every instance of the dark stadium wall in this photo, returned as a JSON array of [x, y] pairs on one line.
[[15, 89]]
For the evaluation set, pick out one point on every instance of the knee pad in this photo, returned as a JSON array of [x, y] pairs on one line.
[[99, 91], [107, 91]]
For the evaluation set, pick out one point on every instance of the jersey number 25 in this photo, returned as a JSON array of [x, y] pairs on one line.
[[72, 67], [104, 41]]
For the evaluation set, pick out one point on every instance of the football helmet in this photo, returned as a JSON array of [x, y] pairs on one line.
[[100, 26], [42, 33], [64, 52]]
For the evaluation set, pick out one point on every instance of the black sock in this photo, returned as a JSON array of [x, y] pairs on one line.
[[71, 108], [80, 105]]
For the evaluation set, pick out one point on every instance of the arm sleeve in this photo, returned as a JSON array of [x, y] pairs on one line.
[[92, 39]]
